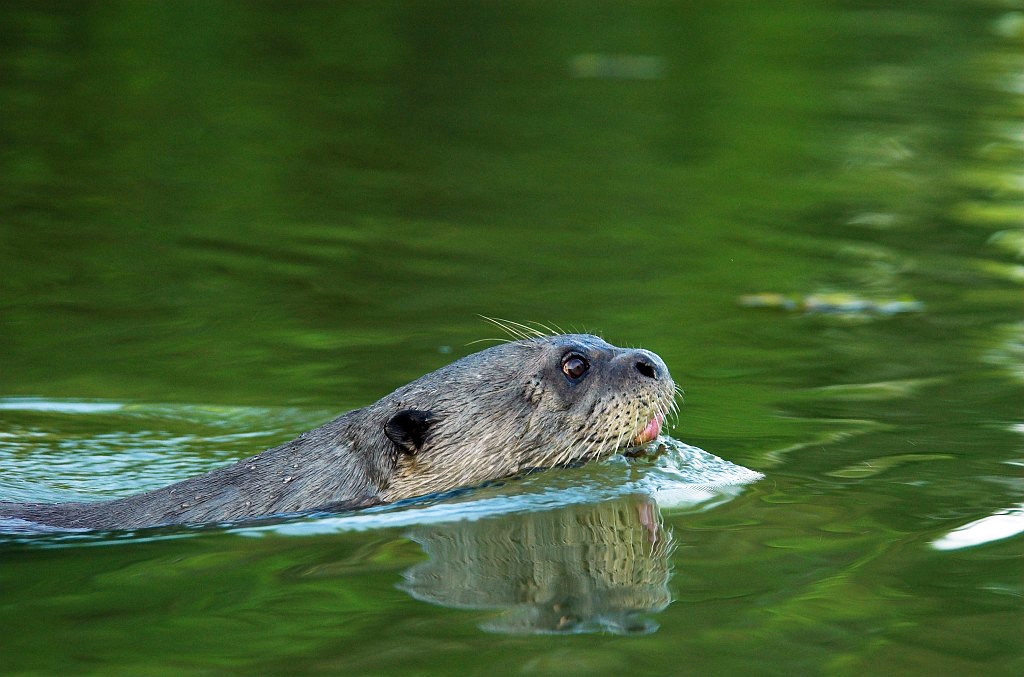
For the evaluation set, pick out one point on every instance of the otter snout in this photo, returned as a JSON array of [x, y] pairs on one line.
[[642, 366], [652, 389], [649, 364]]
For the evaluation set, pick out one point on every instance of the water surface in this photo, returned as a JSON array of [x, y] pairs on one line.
[[223, 224]]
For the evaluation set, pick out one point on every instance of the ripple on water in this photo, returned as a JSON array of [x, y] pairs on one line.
[[60, 450], [681, 477], [63, 450]]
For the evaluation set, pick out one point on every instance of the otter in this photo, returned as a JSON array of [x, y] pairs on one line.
[[537, 402]]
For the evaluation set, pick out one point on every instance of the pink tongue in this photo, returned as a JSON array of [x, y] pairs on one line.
[[651, 431]]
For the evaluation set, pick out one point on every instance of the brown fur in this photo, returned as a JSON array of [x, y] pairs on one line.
[[492, 414]]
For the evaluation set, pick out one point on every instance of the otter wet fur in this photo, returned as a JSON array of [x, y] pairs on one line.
[[536, 402]]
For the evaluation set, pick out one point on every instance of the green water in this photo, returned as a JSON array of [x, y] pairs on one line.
[[223, 223]]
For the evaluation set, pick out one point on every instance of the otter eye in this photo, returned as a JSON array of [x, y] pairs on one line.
[[574, 366]]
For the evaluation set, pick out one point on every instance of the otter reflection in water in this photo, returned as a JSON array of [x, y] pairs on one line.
[[578, 568], [600, 566]]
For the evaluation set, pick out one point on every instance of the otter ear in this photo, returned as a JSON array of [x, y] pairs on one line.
[[408, 429]]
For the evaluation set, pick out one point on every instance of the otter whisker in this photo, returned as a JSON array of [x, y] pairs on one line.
[[591, 450], [611, 433], [583, 447], [567, 456], [577, 450], [640, 422], [549, 331], [506, 326], [486, 340], [551, 456], [618, 439], [672, 411], [527, 330]]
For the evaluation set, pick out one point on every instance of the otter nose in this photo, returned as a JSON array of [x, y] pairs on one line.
[[649, 365]]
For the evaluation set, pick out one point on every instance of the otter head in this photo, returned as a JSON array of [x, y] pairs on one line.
[[534, 403]]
